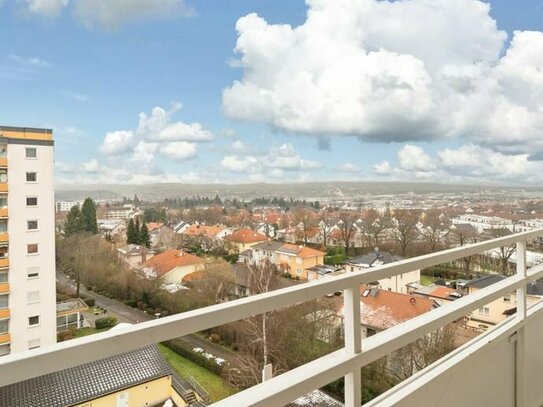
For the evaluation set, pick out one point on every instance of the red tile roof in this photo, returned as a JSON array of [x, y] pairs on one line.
[[165, 262], [382, 309], [204, 230], [152, 226], [246, 236], [303, 251]]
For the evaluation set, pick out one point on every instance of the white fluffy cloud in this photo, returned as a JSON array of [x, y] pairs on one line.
[[393, 71], [470, 163], [273, 163], [156, 134], [109, 14]]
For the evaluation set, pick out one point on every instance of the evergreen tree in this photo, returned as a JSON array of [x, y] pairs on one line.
[[137, 231], [88, 216], [131, 233], [73, 223], [144, 236]]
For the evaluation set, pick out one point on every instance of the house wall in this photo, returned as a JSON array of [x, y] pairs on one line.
[[177, 274], [151, 393], [135, 260], [397, 283], [495, 309]]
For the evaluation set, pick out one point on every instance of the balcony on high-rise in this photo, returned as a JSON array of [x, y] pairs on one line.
[[499, 367]]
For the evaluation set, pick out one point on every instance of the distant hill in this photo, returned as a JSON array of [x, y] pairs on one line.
[[313, 190]]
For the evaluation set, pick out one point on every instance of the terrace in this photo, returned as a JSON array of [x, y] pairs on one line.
[[500, 367]]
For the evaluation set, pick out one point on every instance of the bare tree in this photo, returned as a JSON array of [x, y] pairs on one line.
[[347, 227], [503, 253], [304, 220], [432, 229], [374, 227], [405, 224]]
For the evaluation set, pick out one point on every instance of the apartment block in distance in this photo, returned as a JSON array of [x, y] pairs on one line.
[[27, 240]]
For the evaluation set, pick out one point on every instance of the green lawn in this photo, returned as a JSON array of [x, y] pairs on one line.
[[216, 386], [88, 331], [427, 280]]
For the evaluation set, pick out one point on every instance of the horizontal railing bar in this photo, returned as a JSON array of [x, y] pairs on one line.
[[374, 347], [25, 365]]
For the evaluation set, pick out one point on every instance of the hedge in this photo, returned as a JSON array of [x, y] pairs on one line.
[[106, 322], [185, 349]]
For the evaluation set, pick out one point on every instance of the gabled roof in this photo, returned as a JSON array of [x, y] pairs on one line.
[[86, 382], [133, 249], [165, 262], [315, 398], [465, 229], [270, 245], [246, 236], [154, 225], [383, 309], [300, 251], [374, 258], [485, 281]]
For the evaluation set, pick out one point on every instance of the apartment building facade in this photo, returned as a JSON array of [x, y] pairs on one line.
[[27, 239]]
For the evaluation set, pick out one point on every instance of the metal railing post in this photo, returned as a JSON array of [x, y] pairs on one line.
[[521, 315], [353, 343]]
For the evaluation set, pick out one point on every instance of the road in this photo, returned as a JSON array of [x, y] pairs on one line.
[[134, 316]]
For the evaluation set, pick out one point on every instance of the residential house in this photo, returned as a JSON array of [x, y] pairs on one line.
[[115, 229], [439, 294], [398, 284], [461, 234], [137, 378], [243, 239], [70, 314], [161, 235], [243, 281], [382, 309], [496, 311], [135, 255], [124, 212], [181, 226], [324, 271], [172, 266], [289, 258], [207, 236]]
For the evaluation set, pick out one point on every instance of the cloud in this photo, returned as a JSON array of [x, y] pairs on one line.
[[44, 8], [413, 158], [178, 150], [404, 71], [348, 167], [117, 142], [239, 145], [467, 163], [109, 14], [29, 61], [273, 163], [90, 166]]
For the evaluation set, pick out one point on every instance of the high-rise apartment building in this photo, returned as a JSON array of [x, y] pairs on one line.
[[27, 239]]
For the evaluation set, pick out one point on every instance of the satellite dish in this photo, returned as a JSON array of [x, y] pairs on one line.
[[3, 177]]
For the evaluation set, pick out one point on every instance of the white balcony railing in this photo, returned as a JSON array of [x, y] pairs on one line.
[[497, 368]]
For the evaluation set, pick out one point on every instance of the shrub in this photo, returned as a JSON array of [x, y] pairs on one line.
[[106, 322], [215, 338], [184, 349], [131, 303], [65, 335]]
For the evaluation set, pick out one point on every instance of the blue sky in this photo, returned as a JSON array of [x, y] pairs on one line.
[[303, 110]]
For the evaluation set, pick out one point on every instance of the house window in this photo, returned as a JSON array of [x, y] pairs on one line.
[[299, 271], [31, 201], [507, 298], [4, 326], [34, 343], [32, 248], [31, 225], [34, 321], [484, 311], [33, 272], [31, 152], [31, 177], [33, 297], [5, 349], [4, 301]]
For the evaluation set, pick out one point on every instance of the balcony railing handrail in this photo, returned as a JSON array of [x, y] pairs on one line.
[[284, 388]]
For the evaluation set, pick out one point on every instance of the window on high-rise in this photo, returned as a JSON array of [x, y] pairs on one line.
[[32, 248], [4, 326], [33, 321], [31, 225], [31, 177], [31, 201], [31, 152], [4, 301]]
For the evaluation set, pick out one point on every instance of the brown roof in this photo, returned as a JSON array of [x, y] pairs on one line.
[[165, 262], [382, 309], [153, 225], [442, 292], [246, 236], [303, 251], [203, 230]]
